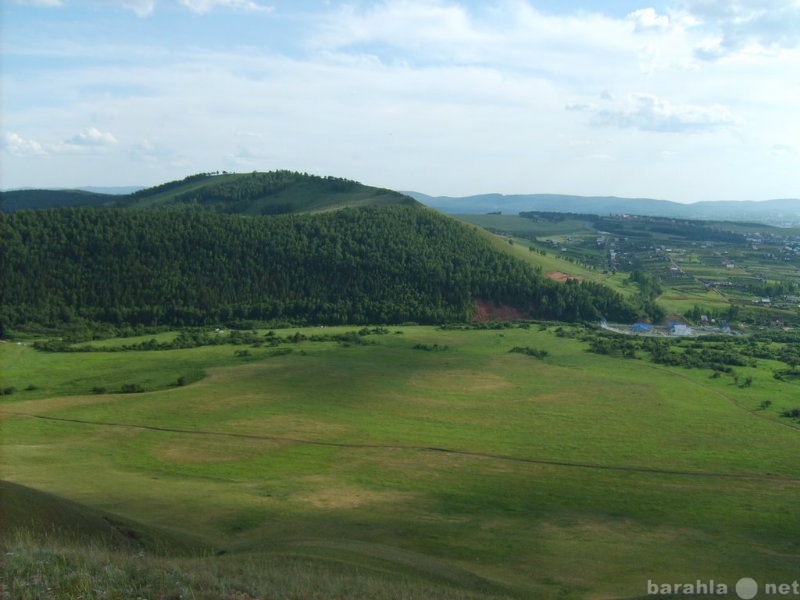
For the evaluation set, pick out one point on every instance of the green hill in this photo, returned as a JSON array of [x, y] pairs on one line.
[[280, 246], [275, 192], [388, 264]]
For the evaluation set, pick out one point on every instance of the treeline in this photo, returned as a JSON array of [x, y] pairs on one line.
[[194, 338], [641, 226], [717, 353], [265, 193], [168, 186], [700, 233], [259, 185], [22, 199], [238, 194], [389, 264]]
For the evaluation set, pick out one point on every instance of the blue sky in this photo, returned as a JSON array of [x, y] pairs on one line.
[[683, 100]]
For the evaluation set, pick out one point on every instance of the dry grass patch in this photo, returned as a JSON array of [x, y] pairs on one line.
[[459, 380], [329, 494], [212, 450], [297, 426], [45, 406]]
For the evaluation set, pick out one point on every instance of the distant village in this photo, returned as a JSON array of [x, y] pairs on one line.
[[670, 329]]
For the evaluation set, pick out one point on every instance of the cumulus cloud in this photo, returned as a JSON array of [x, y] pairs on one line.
[[650, 113], [735, 26], [430, 30], [206, 6], [16, 145], [84, 141], [92, 137], [415, 80], [646, 19]]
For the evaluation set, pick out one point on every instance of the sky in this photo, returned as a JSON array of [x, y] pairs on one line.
[[683, 100]]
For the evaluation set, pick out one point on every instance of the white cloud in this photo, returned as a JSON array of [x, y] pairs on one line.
[[142, 8], [432, 30], [46, 3], [646, 19], [206, 6], [92, 137], [16, 145], [88, 139], [379, 90], [735, 26], [650, 113]]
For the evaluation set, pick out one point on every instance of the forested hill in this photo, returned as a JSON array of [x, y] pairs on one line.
[[386, 264], [275, 192]]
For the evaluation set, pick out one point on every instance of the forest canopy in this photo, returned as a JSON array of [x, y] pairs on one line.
[[386, 264]]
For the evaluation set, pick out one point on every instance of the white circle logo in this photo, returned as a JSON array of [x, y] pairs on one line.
[[746, 588]]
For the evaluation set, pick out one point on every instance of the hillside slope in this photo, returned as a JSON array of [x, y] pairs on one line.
[[27, 510], [275, 192], [386, 264]]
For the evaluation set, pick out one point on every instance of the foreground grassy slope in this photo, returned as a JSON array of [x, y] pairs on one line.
[[574, 476], [44, 565]]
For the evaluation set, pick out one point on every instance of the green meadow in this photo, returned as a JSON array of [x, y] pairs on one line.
[[421, 454]]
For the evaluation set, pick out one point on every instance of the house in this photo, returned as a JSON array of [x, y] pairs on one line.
[[679, 329]]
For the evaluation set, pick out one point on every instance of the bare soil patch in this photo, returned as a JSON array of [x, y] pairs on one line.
[[561, 276], [489, 311]]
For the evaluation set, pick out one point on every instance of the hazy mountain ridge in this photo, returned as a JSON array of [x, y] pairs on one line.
[[278, 192], [778, 211]]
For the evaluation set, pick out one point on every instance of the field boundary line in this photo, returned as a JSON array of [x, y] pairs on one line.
[[724, 396], [422, 448]]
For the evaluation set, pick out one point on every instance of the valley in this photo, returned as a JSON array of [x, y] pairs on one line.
[[433, 453], [276, 385]]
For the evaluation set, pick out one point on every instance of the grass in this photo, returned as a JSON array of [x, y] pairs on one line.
[[36, 569], [573, 476]]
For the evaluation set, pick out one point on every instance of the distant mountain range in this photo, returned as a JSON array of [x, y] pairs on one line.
[[285, 192], [779, 212]]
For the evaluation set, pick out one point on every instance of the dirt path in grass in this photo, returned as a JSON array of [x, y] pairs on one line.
[[419, 448]]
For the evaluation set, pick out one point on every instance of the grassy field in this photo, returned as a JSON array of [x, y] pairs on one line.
[[425, 455]]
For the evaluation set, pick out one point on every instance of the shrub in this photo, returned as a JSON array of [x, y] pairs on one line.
[[540, 354], [132, 388], [429, 348]]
